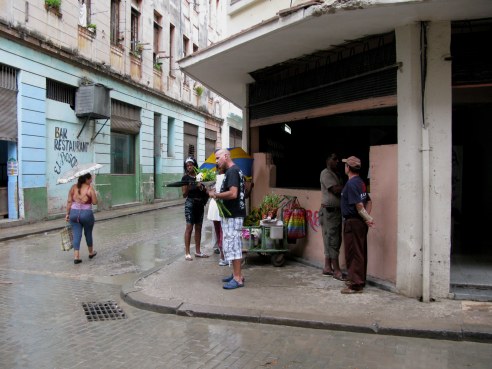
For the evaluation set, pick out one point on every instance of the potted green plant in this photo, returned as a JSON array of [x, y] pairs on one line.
[[253, 218], [199, 90], [53, 6], [270, 204], [92, 27], [137, 51]]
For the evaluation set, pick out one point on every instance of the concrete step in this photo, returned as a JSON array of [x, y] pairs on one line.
[[472, 292]]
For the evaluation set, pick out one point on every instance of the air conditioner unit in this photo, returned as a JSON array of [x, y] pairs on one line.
[[93, 102]]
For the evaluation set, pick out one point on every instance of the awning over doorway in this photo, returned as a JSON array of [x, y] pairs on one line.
[[225, 67]]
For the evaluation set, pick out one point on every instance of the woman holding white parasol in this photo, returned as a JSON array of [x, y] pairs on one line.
[[81, 197]]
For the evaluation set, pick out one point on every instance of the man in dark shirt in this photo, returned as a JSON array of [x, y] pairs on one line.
[[356, 206], [232, 196]]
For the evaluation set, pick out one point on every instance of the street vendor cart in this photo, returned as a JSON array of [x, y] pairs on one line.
[[270, 236], [268, 240]]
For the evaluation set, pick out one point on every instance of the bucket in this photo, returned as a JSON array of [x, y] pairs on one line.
[[277, 232]]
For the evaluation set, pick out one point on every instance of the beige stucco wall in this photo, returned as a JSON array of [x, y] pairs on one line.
[[381, 239]]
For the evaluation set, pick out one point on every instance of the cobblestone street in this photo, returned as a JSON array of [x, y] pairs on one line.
[[43, 324]]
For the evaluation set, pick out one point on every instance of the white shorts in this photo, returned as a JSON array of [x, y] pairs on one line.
[[231, 238]]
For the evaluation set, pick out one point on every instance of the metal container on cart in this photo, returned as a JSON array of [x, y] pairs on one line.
[[270, 243]]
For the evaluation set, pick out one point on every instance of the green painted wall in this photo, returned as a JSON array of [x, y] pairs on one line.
[[147, 188], [158, 189], [170, 193], [124, 189], [103, 187], [35, 203]]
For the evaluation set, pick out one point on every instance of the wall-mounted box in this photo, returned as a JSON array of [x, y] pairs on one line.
[[93, 101]]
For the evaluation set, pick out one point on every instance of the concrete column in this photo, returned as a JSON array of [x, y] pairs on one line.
[[409, 234], [438, 116]]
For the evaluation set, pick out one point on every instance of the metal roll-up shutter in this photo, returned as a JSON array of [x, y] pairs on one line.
[[125, 118], [190, 139], [190, 129], [210, 135], [210, 142], [8, 103], [235, 137], [358, 71]]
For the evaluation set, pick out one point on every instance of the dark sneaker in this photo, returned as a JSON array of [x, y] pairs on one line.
[[232, 284]]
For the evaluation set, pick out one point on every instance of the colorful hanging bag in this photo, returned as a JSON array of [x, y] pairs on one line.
[[295, 220]]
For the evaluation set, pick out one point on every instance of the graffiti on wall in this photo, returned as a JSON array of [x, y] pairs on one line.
[[312, 219], [67, 149]]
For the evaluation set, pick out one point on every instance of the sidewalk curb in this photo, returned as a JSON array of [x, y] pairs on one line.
[[28, 229], [135, 297]]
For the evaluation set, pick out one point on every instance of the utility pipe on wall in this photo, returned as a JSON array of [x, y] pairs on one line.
[[425, 216], [425, 150]]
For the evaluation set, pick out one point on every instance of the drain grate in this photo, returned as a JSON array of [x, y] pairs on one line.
[[99, 311]]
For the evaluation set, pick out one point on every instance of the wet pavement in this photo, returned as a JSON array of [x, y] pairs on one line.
[[299, 295], [43, 324]]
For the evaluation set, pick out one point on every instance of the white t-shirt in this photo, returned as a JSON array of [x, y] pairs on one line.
[[213, 210]]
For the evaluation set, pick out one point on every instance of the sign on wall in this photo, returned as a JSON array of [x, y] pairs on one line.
[[12, 167], [64, 152]]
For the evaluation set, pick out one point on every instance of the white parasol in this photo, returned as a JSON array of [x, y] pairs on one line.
[[77, 171]]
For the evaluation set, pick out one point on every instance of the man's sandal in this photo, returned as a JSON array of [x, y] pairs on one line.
[[349, 291], [201, 255], [339, 277], [188, 257]]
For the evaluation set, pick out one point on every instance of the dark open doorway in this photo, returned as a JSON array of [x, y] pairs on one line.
[[471, 251]]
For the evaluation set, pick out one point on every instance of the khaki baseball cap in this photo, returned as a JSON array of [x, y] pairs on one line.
[[353, 162]]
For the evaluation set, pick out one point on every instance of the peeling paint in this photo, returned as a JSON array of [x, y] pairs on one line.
[[333, 6]]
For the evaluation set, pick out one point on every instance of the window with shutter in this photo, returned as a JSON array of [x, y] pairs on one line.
[[8, 103]]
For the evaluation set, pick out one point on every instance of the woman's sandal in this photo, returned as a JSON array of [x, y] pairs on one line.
[[350, 291], [188, 257], [201, 255], [93, 254]]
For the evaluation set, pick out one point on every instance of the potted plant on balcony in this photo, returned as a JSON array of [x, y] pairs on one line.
[[91, 27], [158, 64], [53, 6], [137, 51], [199, 90]]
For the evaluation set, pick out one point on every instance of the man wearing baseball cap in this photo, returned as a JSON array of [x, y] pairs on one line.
[[356, 206]]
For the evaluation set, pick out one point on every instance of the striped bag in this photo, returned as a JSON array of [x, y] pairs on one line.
[[295, 220]]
